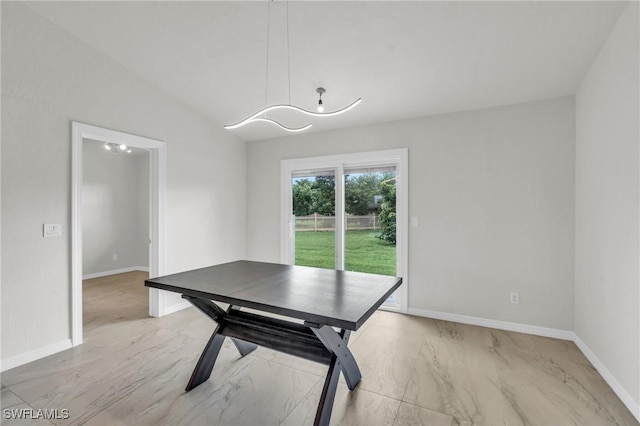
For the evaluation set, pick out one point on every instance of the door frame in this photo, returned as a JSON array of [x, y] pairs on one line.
[[397, 157], [157, 184]]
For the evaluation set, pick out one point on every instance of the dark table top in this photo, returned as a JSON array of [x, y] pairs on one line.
[[323, 296]]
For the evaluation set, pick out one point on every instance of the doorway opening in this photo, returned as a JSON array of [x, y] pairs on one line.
[[348, 213], [115, 233], [156, 190]]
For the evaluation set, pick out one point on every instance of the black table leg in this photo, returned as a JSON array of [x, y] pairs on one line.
[[243, 347], [204, 367], [337, 344], [342, 360], [205, 364], [328, 395]]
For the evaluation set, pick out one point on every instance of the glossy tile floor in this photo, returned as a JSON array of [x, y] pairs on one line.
[[132, 370]]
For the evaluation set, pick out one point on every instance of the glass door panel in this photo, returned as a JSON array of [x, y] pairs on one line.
[[370, 221], [314, 214]]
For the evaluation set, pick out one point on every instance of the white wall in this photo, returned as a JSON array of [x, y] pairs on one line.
[[494, 193], [50, 78], [607, 298], [115, 209]]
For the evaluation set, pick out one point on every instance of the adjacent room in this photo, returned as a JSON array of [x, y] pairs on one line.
[[409, 212], [115, 231]]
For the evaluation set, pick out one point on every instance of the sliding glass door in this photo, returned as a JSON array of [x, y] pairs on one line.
[[345, 215]]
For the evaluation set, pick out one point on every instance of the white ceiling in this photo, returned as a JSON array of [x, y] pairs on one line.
[[405, 59]]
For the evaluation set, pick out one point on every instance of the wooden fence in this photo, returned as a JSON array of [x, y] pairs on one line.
[[317, 222]]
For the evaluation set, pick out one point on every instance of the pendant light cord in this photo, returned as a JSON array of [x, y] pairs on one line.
[[288, 54], [266, 76]]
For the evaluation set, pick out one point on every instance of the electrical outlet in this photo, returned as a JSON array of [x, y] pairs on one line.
[[114, 257], [515, 298]]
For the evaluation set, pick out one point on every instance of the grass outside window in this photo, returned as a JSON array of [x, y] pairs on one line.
[[363, 251]]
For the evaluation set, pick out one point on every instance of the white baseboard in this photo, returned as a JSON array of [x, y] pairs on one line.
[[501, 325], [622, 393], [183, 304], [619, 390], [27, 357], [115, 271]]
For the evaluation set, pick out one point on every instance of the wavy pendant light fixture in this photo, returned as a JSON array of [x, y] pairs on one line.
[[261, 115]]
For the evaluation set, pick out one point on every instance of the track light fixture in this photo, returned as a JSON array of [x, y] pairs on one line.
[[116, 149]]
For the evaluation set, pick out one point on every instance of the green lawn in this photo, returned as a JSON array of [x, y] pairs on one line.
[[363, 251]]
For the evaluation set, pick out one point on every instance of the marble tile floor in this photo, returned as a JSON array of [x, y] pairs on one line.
[[132, 370]]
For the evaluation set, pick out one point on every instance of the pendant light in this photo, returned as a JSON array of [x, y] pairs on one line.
[[261, 115]]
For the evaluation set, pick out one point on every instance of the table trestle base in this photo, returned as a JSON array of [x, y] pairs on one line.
[[314, 342]]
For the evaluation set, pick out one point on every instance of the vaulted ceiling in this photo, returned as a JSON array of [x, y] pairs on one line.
[[405, 59]]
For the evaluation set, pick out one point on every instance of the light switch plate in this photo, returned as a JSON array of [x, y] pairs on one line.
[[52, 230]]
